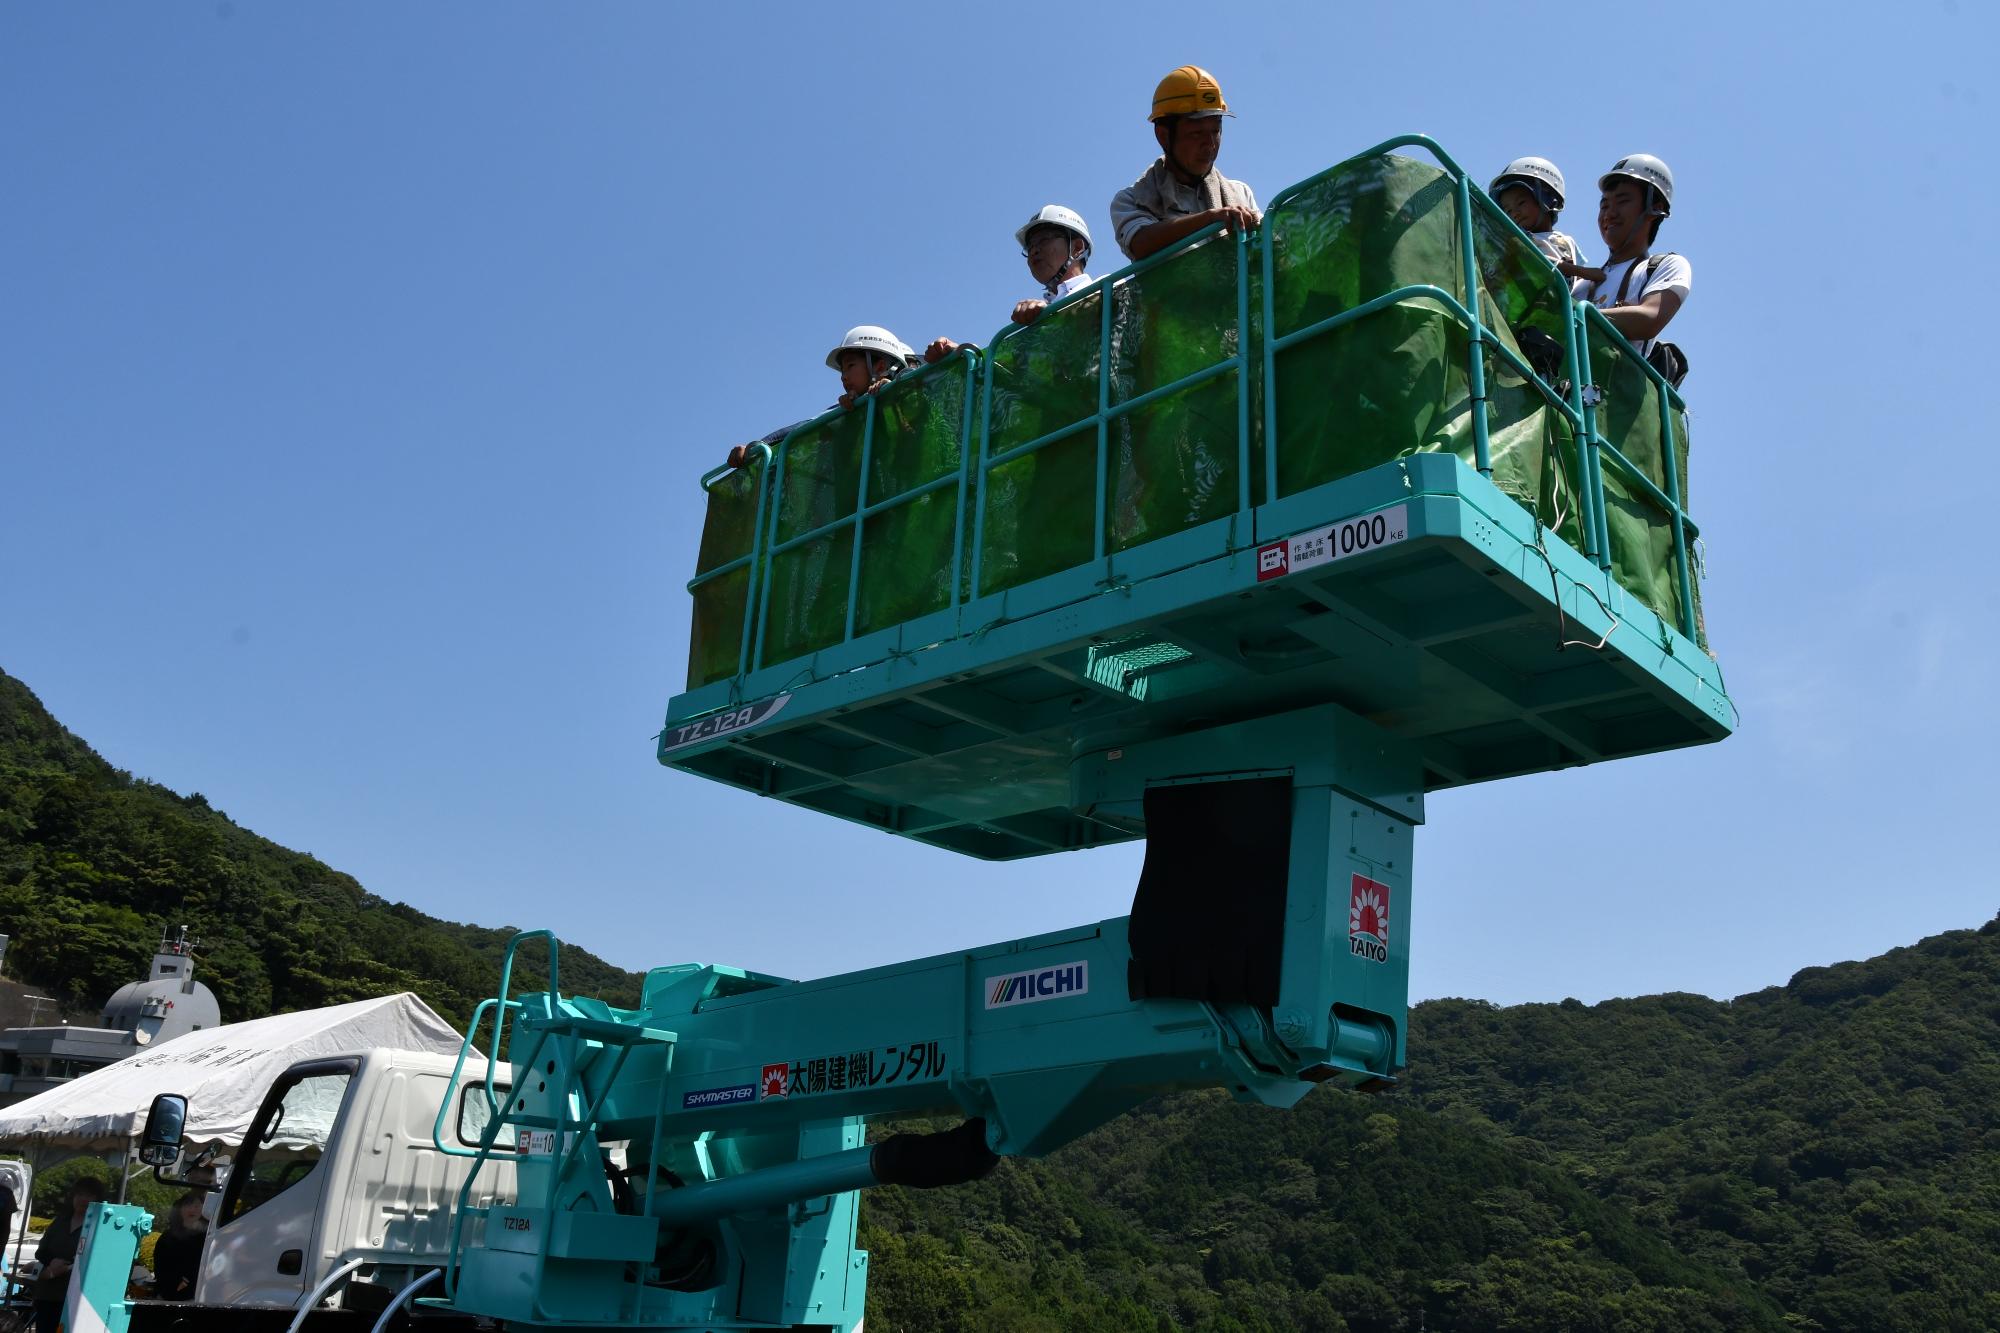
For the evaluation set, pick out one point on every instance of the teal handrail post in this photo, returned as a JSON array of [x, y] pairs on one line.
[[965, 460], [1097, 523], [1590, 493], [1589, 395], [1667, 451], [1270, 340], [979, 472], [769, 538], [1476, 360], [1243, 380], [860, 511]]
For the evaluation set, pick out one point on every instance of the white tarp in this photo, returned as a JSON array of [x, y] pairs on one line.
[[224, 1072]]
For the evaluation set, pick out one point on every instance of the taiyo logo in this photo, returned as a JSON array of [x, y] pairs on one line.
[[1368, 919], [1048, 983]]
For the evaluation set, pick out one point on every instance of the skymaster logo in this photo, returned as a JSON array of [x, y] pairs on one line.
[[742, 1092], [1049, 983]]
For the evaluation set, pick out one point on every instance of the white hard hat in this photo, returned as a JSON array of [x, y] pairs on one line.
[[871, 338], [1532, 170], [1053, 215], [1648, 171]]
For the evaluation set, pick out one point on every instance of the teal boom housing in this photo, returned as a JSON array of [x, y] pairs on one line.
[[1264, 696]]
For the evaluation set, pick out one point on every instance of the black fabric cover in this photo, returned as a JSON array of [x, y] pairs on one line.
[[1208, 920]]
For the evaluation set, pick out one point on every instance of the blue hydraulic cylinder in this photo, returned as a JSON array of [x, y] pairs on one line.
[[769, 1187]]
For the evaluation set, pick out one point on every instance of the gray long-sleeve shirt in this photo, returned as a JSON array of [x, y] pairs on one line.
[[1158, 196]]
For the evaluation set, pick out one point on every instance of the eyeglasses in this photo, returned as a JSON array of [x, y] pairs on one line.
[[1036, 240]]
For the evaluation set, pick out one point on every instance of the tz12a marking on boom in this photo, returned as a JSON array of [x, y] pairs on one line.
[[1335, 541], [721, 724]]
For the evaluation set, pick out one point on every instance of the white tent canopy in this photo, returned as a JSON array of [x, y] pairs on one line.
[[224, 1072]]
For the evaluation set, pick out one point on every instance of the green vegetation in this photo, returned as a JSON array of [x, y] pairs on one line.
[[52, 1187], [94, 864], [1819, 1156]]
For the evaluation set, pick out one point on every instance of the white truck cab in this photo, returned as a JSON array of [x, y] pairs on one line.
[[339, 1165]]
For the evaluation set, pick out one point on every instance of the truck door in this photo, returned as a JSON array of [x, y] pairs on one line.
[[262, 1249]]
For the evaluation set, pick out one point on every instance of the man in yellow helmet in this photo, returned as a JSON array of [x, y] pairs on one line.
[[1182, 192]]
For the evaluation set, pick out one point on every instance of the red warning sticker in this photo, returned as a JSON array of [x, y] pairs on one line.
[[1368, 920]]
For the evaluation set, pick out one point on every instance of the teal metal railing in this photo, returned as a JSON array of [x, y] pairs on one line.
[[1574, 399], [501, 1007], [1106, 293]]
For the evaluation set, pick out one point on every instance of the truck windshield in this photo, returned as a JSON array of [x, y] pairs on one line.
[[287, 1144]]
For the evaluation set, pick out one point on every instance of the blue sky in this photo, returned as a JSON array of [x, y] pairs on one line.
[[357, 363]]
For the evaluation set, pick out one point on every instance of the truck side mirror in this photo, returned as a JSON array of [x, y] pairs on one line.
[[166, 1123]]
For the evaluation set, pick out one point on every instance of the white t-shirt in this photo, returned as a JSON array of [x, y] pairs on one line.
[[1671, 273], [1556, 246], [1068, 285]]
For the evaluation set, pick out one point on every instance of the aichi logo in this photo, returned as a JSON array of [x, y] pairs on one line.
[[1368, 920], [1046, 983]]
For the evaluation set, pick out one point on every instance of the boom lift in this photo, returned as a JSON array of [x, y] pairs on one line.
[[1241, 550]]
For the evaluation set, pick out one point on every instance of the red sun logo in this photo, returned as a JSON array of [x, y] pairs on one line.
[[1368, 910]]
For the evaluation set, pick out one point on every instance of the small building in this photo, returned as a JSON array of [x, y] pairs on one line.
[[139, 1015]]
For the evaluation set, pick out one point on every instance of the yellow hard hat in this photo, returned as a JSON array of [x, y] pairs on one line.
[[1188, 91]]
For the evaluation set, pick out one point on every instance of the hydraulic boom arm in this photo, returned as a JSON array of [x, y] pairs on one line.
[[1264, 955]]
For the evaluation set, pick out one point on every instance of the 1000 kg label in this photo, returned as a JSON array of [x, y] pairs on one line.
[[1336, 541]]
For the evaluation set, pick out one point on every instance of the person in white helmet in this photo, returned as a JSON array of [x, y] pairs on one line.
[[1182, 192], [1530, 191], [867, 356], [1056, 244], [1639, 292]]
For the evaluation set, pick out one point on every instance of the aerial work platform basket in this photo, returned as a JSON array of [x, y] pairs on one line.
[[1371, 455]]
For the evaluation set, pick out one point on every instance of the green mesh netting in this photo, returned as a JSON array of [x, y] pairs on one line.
[[1173, 462], [1395, 382], [1390, 384], [819, 480], [1039, 506], [715, 639], [1639, 532], [906, 550]]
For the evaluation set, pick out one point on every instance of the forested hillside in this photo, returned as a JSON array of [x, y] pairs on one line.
[[94, 863], [1819, 1156], [1823, 1155]]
